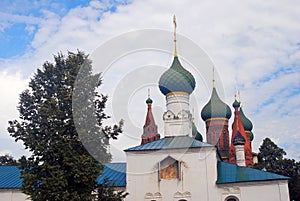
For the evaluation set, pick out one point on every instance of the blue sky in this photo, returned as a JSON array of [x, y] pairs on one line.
[[254, 46], [16, 35]]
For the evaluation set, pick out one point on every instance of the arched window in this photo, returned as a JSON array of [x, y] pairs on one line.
[[169, 168], [231, 198], [182, 200]]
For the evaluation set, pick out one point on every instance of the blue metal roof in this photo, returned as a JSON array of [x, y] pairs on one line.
[[178, 142], [115, 173], [231, 173], [10, 177]]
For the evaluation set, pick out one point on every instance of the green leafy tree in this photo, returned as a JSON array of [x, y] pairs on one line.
[[59, 118], [271, 158], [7, 160]]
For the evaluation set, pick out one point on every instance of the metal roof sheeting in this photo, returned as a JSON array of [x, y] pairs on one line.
[[178, 142], [10, 177], [231, 173], [115, 173]]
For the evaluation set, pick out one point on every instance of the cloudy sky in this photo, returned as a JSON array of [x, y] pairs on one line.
[[254, 46]]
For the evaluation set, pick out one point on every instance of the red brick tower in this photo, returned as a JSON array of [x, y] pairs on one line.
[[150, 133], [216, 115], [237, 126]]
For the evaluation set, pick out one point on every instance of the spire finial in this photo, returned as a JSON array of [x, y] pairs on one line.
[[239, 95], [149, 100], [214, 81], [175, 26]]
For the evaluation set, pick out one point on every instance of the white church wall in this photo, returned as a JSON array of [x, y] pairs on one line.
[[197, 182], [12, 195], [249, 191]]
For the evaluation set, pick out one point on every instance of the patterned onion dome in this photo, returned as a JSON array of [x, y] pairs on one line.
[[176, 78], [238, 139], [246, 122], [196, 134], [149, 101], [215, 108]]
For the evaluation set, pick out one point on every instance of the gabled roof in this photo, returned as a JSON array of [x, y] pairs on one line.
[[231, 173], [177, 142], [115, 173], [10, 177]]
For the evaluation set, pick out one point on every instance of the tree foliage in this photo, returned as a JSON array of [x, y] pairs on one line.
[[271, 158], [7, 160], [57, 118]]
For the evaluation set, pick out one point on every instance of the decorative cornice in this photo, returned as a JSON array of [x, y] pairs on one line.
[[216, 119], [177, 93]]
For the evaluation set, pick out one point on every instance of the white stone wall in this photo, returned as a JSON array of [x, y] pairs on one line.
[[249, 191], [199, 174], [12, 195], [198, 179], [177, 118], [177, 102]]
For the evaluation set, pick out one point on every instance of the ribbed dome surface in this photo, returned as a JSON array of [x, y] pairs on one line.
[[246, 122], [215, 108], [176, 78]]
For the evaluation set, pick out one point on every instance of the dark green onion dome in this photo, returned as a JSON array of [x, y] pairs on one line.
[[238, 139], [176, 78], [251, 136], [246, 122], [196, 134], [236, 104], [215, 108], [149, 101]]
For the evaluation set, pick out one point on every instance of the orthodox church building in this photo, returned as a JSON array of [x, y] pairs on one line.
[[180, 166]]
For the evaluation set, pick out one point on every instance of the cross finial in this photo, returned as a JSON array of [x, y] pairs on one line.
[[214, 81], [175, 26]]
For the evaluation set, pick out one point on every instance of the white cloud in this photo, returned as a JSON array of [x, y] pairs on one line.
[[252, 44], [11, 86]]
